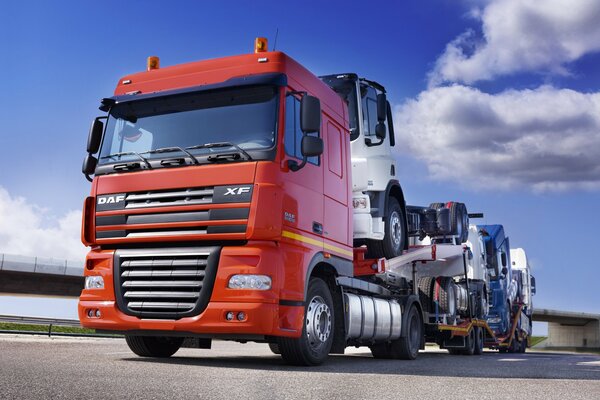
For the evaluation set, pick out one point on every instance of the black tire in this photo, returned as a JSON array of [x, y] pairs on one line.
[[314, 343], [455, 352], [425, 287], [381, 351], [479, 340], [154, 346], [470, 343], [407, 347], [274, 348], [394, 240], [447, 299], [523, 348], [459, 221]]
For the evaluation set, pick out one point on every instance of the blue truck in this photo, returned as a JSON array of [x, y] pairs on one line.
[[511, 288]]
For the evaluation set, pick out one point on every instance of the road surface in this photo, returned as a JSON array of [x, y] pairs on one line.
[[68, 368]]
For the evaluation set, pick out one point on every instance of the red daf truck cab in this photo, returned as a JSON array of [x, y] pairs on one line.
[[220, 206]]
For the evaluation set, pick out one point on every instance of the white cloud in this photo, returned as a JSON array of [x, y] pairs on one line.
[[29, 230], [521, 35], [545, 139]]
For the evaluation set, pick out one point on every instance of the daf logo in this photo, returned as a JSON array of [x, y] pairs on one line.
[[236, 191], [111, 199]]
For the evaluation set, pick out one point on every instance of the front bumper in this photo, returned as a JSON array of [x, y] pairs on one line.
[[261, 320], [264, 315]]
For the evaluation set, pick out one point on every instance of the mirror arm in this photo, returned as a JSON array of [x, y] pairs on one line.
[[88, 177], [370, 143], [294, 166]]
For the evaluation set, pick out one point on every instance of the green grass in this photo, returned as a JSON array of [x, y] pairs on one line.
[[10, 326], [537, 339]]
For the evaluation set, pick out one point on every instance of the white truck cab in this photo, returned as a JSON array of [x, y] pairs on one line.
[[377, 198]]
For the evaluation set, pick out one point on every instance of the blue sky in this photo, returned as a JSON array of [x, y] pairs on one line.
[[496, 105]]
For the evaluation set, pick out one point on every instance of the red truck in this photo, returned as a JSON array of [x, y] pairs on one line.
[[244, 198]]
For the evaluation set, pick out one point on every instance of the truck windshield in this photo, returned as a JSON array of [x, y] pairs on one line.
[[346, 89], [245, 117]]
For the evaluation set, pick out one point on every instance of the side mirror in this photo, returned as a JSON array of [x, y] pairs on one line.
[[504, 271], [381, 107], [312, 146], [532, 284], [504, 260], [89, 166], [95, 136], [310, 114]]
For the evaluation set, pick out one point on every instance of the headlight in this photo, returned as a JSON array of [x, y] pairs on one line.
[[359, 202], [94, 282], [494, 320], [256, 282]]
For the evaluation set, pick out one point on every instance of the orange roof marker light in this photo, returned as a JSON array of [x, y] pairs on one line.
[[153, 62], [260, 45]]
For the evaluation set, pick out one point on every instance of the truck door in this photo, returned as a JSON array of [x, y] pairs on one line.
[[335, 184], [303, 201]]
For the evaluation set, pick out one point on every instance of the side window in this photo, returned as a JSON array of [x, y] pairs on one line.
[[369, 109], [292, 140], [334, 149]]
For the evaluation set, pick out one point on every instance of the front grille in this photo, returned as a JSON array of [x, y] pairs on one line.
[[177, 197], [174, 213], [165, 283]]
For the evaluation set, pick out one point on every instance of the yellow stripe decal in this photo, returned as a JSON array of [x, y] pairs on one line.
[[305, 239]]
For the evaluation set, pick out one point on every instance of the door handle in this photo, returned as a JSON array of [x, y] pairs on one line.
[[317, 228]]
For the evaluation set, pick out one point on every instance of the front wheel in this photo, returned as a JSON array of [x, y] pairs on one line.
[[154, 346], [314, 344], [395, 237]]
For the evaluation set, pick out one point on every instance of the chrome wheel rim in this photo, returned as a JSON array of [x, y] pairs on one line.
[[318, 322], [396, 229]]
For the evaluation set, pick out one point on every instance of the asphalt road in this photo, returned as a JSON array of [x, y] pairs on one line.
[[60, 368]]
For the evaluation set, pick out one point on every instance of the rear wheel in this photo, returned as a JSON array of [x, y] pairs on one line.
[[403, 348], [274, 348], [523, 348], [515, 345], [381, 350], [447, 299], [425, 286], [470, 344], [407, 347], [154, 346], [314, 344], [394, 240], [479, 338]]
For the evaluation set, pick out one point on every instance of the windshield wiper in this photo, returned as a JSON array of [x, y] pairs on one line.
[[221, 144], [171, 149], [129, 153]]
